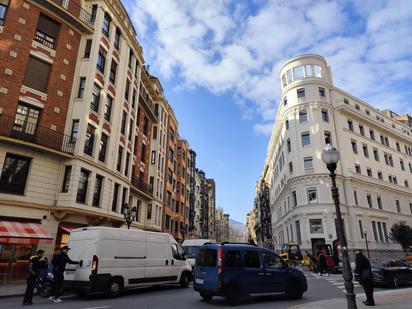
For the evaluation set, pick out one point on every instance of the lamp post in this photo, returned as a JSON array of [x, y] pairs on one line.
[[365, 233], [331, 157], [129, 214]]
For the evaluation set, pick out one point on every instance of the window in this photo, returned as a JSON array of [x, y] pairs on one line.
[[119, 158], [402, 164], [354, 146], [115, 196], [361, 229], [308, 162], [25, 121], [410, 207], [305, 139], [47, 31], [97, 190], [379, 200], [358, 169], [134, 98], [355, 197], [398, 147], [101, 60], [94, 13], [108, 108], [375, 234], [298, 72], [251, 259], [272, 261], [205, 257], [154, 132], [89, 142], [37, 74], [87, 48], [406, 184], [94, 106], [290, 167], [365, 151], [362, 130], [143, 153], [300, 92], [130, 58], [103, 147], [369, 200], [357, 106], [322, 92], [233, 259], [106, 25], [382, 139], [131, 123], [66, 178], [372, 134], [369, 172], [117, 36], [123, 125], [385, 231], [82, 188], [82, 85], [387, 141], [145, 126], [380, 175], [149, 212], [316, 226], [127, 90], [3, 10], [317, 71], [287, 124], [303, 116], [153, 157], [376, 154], [350, 125], [75, 131], [126, 167], [345, 100], [14, 174], [398, 206], [285, 101], [328, 138], [113, 69], [294, 199], [325, 115], [312, 195]]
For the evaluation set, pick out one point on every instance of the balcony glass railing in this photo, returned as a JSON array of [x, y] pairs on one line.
[[33, 133]]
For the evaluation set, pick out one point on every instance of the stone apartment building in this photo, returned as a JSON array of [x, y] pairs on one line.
[[374, 173]]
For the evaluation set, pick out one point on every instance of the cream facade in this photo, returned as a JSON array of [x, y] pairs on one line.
[[374, 173]]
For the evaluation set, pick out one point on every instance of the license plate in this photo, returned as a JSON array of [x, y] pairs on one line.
[[199, 281]]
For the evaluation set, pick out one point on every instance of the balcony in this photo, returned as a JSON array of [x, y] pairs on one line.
[[45, 40], [35, 134], [139, 183], [70, 11]]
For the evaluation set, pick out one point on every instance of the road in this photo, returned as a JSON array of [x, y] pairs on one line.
[[176, 298]]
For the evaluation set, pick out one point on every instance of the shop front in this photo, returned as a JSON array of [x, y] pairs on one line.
[[18, 242]]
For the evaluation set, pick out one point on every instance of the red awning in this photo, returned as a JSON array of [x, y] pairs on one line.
[[13, 232], [67, 229]]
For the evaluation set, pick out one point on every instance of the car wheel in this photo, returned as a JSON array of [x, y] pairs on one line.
[[206, 297], [395, 282], [115, 288], [294, 290], [184, 280]]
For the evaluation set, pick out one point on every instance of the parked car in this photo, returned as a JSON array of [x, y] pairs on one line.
[[391, 273], [191, 246], [238, 270], [115, 259]]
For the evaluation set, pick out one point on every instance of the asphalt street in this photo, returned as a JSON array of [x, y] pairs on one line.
[[166, 297]]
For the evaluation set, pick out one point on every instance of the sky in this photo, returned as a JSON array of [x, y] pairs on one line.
[[218, 62]]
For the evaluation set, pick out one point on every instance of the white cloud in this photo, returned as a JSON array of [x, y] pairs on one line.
[[225, 46]]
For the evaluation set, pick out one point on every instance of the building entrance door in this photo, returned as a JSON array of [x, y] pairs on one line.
[[315, 243]]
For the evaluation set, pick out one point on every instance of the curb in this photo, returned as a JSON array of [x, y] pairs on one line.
[[11, 295]]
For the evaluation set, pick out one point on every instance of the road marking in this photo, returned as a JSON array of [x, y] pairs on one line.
[[99, 307]]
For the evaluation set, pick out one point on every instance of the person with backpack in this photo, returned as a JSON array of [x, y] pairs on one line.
[[35, 265], [364, 271], [59, 265]]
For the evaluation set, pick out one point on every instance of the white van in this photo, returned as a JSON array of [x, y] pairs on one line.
[[191, 246], [114, 259]]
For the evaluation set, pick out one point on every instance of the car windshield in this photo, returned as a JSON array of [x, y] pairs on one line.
[[294, 249], [380, 264], [190, 251]]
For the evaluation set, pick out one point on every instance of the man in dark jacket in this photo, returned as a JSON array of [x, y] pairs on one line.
[[364, 271], [35, 265], [59, 265]]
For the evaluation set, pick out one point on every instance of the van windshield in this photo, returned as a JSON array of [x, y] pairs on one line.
[[190, 251], [206, 258]]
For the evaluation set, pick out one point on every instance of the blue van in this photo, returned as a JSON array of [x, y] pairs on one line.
[[236, 270]]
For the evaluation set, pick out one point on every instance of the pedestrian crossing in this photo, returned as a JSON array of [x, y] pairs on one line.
[[334, 279]]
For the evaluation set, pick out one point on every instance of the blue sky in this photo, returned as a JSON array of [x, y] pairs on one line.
[[218, 62]]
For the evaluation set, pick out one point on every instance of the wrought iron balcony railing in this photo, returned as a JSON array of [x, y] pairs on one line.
[[76, 10], [33, 133], [141, 185]]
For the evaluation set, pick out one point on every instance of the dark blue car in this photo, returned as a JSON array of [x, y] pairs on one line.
[[237, 270]]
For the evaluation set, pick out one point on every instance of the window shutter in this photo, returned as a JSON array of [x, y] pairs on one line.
[[48, 26], [37, 74]]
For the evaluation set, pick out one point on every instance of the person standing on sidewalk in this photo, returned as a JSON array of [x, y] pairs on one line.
[[364, 271], [35, 265], [59, 265], [323, 266]]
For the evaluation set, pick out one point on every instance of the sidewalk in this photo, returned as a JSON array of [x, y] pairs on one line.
[[399, 299], [12, 289]]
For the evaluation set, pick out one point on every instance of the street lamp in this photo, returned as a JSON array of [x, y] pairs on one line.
[[331, 157], [365, 233], [129, 214]]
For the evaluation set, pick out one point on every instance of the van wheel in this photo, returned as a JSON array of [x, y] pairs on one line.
[[206, 297], [294, 290], [184, 280], [115, 288]]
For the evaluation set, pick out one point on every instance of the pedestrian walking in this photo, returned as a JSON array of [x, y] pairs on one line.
[[322, 266], [59, 265], [35, 265], [364, 271]]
